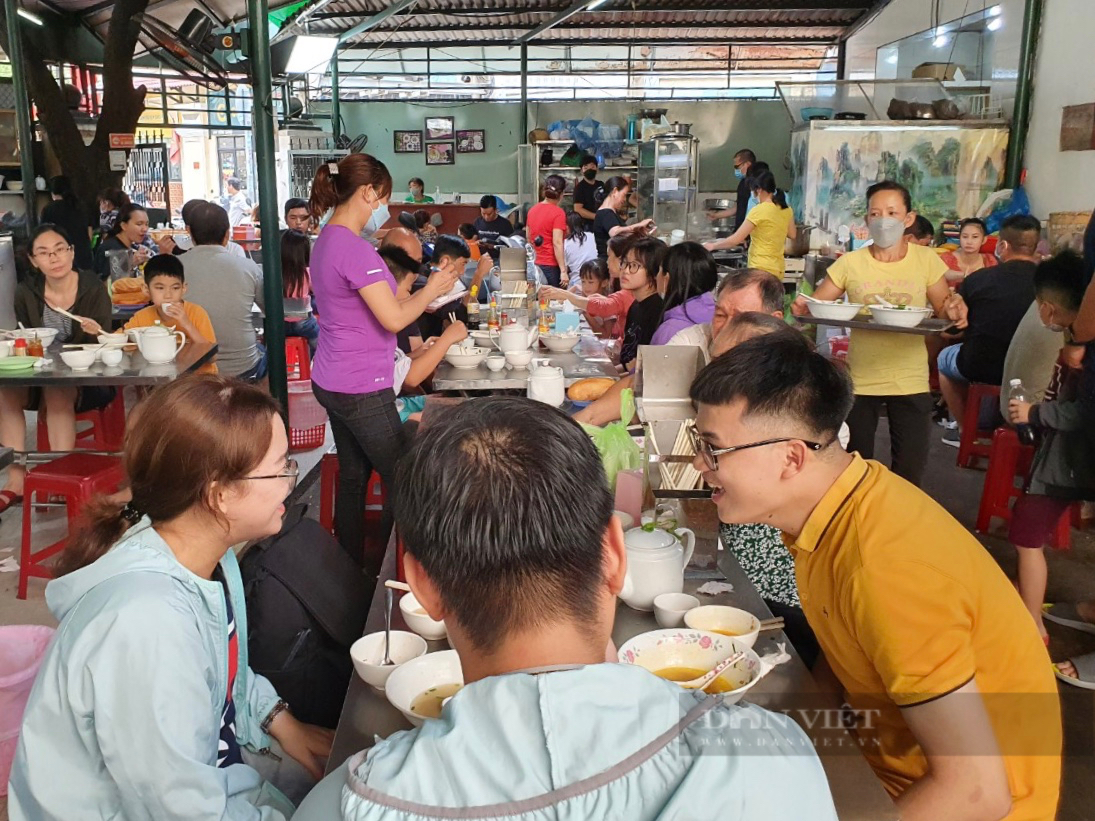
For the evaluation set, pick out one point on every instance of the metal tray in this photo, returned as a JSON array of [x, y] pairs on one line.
[[929, 327]]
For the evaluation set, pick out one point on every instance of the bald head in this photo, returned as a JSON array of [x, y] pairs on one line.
[[404, 240]]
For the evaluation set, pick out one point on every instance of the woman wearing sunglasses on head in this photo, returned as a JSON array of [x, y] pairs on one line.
[[145, 706]]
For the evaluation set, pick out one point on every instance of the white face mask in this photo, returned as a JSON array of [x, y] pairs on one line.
[[377, 219], [886, 231]]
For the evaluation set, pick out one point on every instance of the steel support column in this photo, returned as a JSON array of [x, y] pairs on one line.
[[1020, 122], [263, 119], [22, 110], [336, 106], [524, 92]]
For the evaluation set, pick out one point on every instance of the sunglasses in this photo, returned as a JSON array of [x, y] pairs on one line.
[[711, 455]]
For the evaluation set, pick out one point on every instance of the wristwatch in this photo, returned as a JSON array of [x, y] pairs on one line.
[[277, 710]]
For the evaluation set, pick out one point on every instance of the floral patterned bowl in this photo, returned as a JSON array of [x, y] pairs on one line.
[[698, 649]]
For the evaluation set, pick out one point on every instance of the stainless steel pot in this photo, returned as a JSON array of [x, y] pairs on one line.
[[800, 245], [681, 129], [717, 205]]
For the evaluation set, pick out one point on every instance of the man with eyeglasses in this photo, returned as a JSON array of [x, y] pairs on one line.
[[951, 686]]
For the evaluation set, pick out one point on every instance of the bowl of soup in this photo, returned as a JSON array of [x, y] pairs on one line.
[[416, 617], [682, 655], [726, 621], [419, 688]]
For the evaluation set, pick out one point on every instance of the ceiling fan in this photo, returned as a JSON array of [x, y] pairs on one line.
[[190, 49]]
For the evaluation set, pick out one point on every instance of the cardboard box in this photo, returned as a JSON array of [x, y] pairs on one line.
[[938, 71]]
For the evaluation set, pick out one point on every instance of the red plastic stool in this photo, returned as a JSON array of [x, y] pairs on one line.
[[106, 431], [972, 446], [77, 477], [297, 361], [375, 497], [1009, 459]]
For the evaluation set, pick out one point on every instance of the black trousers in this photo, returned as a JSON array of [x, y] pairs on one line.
[[369, 436], [910, 431]]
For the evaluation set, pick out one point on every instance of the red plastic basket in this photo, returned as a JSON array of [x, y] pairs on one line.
[[307, 418]]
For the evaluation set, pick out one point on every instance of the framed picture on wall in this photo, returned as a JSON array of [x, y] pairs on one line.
[[440, 128], [471, 142], [408, 142], [440, 154]]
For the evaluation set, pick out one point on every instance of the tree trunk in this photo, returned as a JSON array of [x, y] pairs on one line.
[[88, 166]]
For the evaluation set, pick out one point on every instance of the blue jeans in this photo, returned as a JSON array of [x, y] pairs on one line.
[[948, 363], [306, 328], [369, 436], [257, 371]]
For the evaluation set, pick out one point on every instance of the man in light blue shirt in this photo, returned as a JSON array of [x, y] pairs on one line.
[[544, 728]]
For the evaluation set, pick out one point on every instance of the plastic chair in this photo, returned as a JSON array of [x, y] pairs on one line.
[[297, 361], [972, 445], [78, 477], [375, 497], [106, 429], [1009, 459]]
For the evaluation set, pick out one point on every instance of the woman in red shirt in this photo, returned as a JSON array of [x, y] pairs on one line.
[[546, 227], [968, 257]]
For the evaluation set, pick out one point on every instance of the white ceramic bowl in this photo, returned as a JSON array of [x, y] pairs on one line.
[[47, 335], [418, 620], [113, 339], [671, 608], [716, 618], [698, 649], [14, 185], [367, 654], [842, 311], [413, 678], [496, 363], [461, 359], [6, 346], [900, 317], [626, 519], [79, 360], [519, 359], [560, 343], [111, 357]]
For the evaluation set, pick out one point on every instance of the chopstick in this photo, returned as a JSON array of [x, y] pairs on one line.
[[772, 624], [63, 312], [397, 585]]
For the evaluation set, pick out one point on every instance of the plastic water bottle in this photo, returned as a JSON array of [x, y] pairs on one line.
[[1020, 394]]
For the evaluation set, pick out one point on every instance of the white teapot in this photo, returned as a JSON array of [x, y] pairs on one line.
[[159, 345], [546, 384], [514, 337], [655, 564]]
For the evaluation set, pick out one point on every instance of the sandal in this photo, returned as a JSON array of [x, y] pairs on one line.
[[1085, 672], [9, 498], [1066, 614]]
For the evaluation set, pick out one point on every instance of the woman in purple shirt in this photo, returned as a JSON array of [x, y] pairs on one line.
[[359, 316]]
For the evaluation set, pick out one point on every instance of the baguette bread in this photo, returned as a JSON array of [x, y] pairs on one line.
[[587, 390]]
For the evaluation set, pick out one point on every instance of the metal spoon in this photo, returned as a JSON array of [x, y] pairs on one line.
[[388, 629]]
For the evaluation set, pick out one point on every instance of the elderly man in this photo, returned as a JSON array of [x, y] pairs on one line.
[[745, 291], [239, 207]]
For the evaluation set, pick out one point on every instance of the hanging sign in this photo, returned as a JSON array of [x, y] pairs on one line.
[[122, 141], [117, 160]]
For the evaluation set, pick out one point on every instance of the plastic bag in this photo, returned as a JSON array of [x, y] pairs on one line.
[[617, 448], [1016, 204]]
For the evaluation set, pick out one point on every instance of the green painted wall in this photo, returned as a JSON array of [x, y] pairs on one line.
[[492, 171], [723, 128]]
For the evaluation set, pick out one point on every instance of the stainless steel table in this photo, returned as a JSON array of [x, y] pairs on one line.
[[133, 370], [587, 359], [789, 688]]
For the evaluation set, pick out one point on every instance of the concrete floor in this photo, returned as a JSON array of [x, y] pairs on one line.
[[1071, 578]]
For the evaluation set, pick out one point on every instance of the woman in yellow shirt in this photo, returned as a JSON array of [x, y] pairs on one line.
[[768, 225]]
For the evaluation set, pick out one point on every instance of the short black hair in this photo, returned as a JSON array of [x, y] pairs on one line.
[[890, 185], [921, 228], [187, 211], [968, 221], [399, 262], [770, 287], [477, 505], [745, 155], [1022, 232], [1061, 280], [449, 246], [208, 224], [418, 180], [467, 231], [488, 201], [295, 202], [235, 183], [593, 269], [587, 159], [649, 252], [779, 376], [164, 265]]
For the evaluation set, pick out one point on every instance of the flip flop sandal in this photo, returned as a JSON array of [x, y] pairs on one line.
[[1085, 672], [9, 498], [1065, 614]]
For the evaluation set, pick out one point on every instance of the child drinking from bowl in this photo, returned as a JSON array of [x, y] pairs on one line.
[[163, 274]]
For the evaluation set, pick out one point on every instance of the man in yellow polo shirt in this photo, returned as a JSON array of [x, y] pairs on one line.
[[890, 369], [958, 707]]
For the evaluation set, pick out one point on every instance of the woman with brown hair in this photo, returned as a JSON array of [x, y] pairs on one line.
[[145, 706], [354, 367], [546, 228]]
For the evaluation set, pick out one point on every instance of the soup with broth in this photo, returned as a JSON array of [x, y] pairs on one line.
[[428, 703], [729, 680]]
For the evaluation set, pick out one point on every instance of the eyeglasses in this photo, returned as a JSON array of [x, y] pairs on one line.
[[711, 455], [54, 254], [291, 472], [631, 267]]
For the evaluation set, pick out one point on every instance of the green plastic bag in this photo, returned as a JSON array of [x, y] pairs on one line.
[[617, 447]]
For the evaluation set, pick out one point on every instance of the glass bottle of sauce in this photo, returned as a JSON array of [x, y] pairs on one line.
[[34, 346], [20, 347]]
